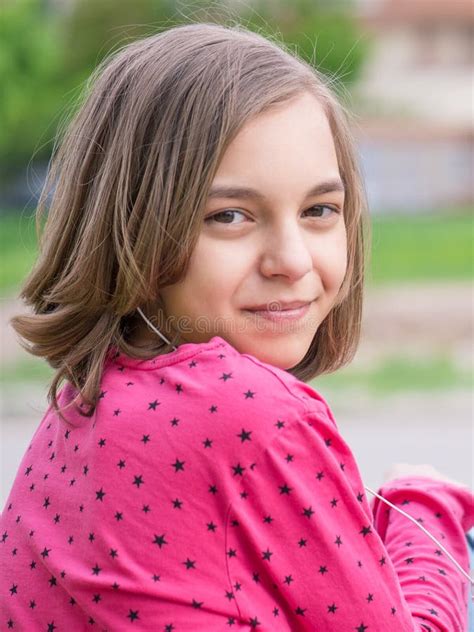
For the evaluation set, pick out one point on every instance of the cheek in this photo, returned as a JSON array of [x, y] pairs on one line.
[[330, 260], [215, 273]]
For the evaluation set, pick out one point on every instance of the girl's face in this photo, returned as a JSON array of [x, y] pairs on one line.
[[273, 234]]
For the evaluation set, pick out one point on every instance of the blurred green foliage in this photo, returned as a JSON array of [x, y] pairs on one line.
[[50, 48]]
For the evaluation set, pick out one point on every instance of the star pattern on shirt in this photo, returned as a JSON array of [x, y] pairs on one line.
[[154, 485]]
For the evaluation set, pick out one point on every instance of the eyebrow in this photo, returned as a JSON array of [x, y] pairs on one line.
[[329, 186]]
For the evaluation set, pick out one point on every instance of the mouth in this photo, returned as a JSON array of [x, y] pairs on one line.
[[278, 306], [279, 312]]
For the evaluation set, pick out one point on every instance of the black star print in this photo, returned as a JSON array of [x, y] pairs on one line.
[[328, 442], [229, 595], [302, 542], [433, 611], [207, 443], [232, 553], [332, 608], [338, 541], [46, 502], [212, 489], [177, 503], [96, 598], [146, 439], [174, 422], [197, 604], [276, 612], [4, 536], [51, 626], [268, 519], [360, 497], [133, 615], [320, 475], [334, 502], [115, 586], [113, 553], [225, 376], [280, 424], [56, 518], [153, 405], [245, 435], [118, 515], [179, 388], [14, 589], [365, 531], [169, 627], [32, 603], [101, 443], [249, 394], [160, 540], [362, 628], [99, 495], [266, 555], [117, 412], [256, 577], [254, 622], [211, 526], [213, 409], [308, 512], [91, 537], [409, 560], [178, 465], [138, 480], [238, 469], [382, 560], [45, 552], [189, 563], [288, 579], [284, 489], [146, 508], [192, 364], [230, 621], [300, 611], [52, 581], [33, 564], [370, 597], [28, 470], [96, 569]]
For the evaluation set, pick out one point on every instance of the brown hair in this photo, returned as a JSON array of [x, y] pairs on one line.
[[129, 183]]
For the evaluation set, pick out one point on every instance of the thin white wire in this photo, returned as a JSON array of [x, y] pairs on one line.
[[387, 502], [155, 329], [471, 581]]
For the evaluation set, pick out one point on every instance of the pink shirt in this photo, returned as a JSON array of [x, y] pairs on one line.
[[211, 491]]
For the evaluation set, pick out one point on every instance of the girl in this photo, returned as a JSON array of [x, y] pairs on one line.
[[202, 259]]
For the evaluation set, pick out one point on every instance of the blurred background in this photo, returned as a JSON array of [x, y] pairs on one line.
[[404, 68]]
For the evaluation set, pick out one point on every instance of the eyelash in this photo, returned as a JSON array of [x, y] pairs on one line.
[[318, 206]]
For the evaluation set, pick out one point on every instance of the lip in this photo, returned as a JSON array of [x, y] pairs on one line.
[[284, 314], [278, 306]]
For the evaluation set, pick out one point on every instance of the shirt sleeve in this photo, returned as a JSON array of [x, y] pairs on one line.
[[435, 591], [301, 540]]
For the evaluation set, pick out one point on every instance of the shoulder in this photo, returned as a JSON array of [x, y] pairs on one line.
[[207, 379]]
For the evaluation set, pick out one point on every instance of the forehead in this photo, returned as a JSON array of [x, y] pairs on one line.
[[289, 147]]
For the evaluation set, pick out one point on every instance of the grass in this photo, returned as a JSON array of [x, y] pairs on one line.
[[405, 248], [422, 247], [18, 248], [396, 374]]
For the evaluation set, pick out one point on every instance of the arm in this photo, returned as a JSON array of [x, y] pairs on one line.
[[301, 542], [435, 590]]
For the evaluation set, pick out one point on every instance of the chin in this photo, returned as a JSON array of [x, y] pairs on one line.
[[283, 355]]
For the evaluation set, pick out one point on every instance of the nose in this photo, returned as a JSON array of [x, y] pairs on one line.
[[286, 253]]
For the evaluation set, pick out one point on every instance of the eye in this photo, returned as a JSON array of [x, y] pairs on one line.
[[322, 211], [226, 217]]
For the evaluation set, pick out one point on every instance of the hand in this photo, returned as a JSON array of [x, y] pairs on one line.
[[399, 470]]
